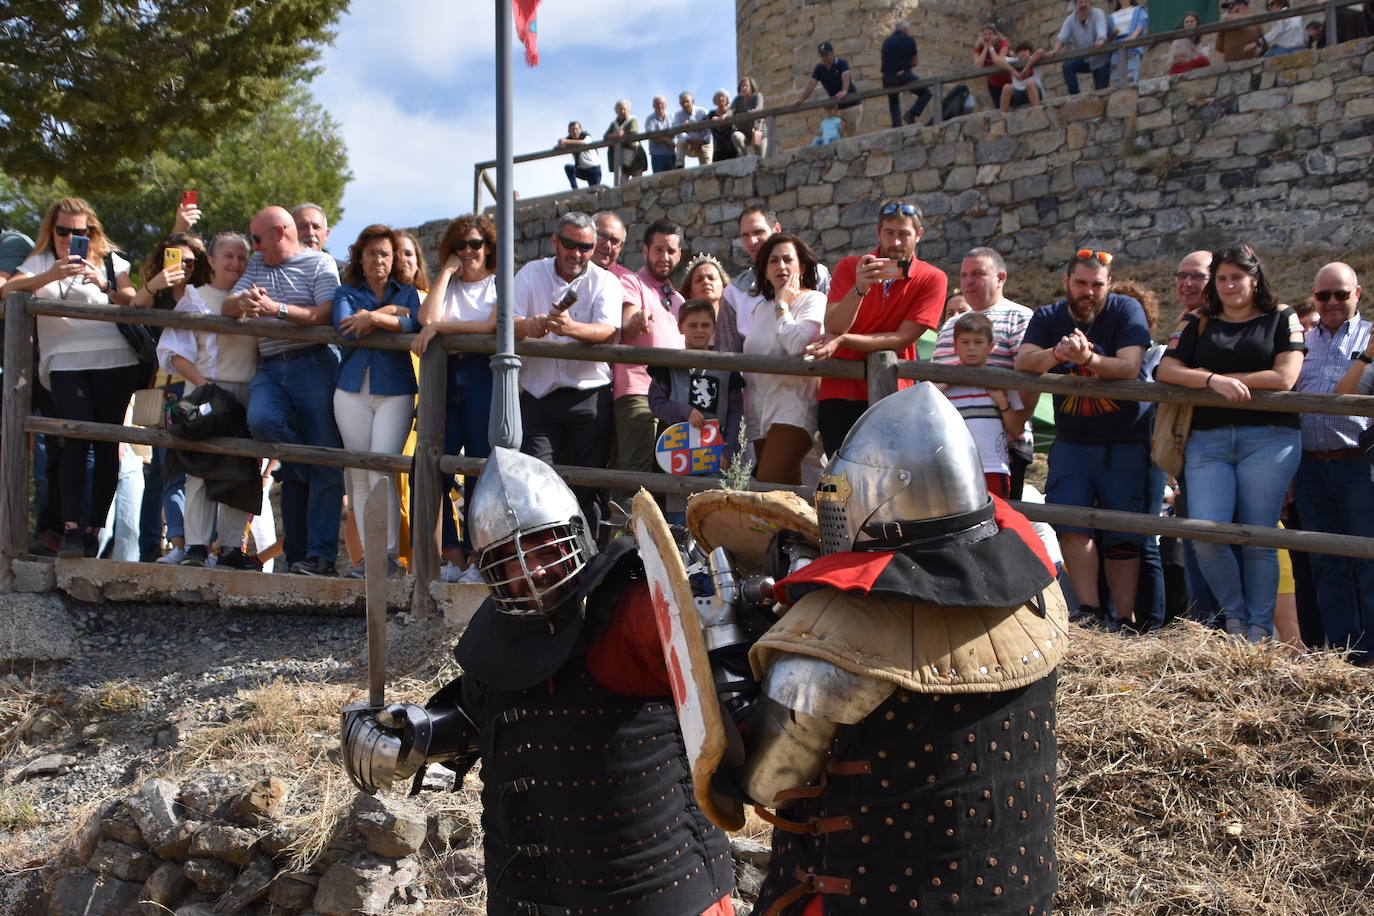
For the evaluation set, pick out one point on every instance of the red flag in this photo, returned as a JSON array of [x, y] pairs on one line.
[[528, 29]]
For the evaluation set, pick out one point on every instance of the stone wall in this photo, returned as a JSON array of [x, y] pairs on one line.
[[1277, 152]]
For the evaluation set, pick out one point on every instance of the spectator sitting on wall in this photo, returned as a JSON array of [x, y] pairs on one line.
[[832, 127], [1085, 27], [1185, 53], [695, 143], [1284, 36], [754, 135], [1130, 21], [898, 59], [586, 163], [833, 73], [1239, 43], [1026, 87], [727, 141], [991, 50], [660, 148]]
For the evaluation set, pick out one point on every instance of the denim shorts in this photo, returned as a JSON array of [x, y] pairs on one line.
[[1105, 476]]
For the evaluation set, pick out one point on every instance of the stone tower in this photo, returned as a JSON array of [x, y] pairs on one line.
[[776, 42]]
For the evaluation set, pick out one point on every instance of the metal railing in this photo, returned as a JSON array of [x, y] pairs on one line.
[[935, 84], [429, 467]]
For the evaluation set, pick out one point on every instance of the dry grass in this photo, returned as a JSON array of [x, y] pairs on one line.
[[1204, 776]]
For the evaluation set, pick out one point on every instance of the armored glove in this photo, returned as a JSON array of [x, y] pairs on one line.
[[382, 745]]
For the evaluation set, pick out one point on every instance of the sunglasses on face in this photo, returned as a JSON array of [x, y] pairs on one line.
[[1087, 254], [1326, 295], [569, 244], [904, 209], [470, 245], [65, 231]]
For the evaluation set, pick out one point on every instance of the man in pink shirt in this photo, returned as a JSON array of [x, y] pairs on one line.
[[610, 244], [649, 320]]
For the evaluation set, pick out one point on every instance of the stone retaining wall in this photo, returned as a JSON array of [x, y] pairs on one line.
[[1276, 152]]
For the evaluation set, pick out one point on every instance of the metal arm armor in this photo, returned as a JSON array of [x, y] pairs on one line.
[[789, 733], [394, 742]]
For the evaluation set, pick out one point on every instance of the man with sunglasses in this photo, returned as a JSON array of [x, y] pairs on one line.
[[1101, 449], [881, 300], [648, 319], [565, 404], [1332, 486]]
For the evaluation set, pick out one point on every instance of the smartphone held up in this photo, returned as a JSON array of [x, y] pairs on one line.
[[79, 246]]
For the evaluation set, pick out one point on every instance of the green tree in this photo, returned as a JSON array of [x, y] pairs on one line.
[[289, 153], [89, 88]]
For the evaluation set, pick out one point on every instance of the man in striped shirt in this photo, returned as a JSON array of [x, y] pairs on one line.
[[1334, 487], [982, 279]]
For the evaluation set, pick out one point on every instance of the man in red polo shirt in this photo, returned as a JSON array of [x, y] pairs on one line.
[[882, 300]]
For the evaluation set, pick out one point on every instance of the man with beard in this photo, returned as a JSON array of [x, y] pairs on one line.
[[649, 319], [1101, 449], [881, 300], [566, 403]]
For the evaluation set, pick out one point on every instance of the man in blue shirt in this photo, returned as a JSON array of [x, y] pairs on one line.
[[898, 56], [1085, 27], [1101, 451], [833, 73]]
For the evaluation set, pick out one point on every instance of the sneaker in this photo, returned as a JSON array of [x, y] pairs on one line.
[[394, 569], [471, 576], [173, 557], [314, 566], [1090, 616], [71, 547], [357, 572], [90, 544], [196, 555], [450, 573], [46, 544], [235, 558]]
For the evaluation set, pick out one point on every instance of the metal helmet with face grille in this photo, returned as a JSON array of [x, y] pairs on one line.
[[907, 475], [531, 539]]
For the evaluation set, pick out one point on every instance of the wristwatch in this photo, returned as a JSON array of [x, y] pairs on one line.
[[1363, 357], [281, 311]]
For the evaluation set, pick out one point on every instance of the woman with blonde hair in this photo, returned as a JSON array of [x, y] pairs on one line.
[[87, 365], [706, 279]]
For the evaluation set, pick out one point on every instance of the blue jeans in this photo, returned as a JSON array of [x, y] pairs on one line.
[[662, 162], [293, 401], [1241, 473], [1338, 496], [591, 175], [466, 413], [1102, 76]]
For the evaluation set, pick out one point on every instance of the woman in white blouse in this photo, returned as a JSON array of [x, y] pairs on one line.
[[89, 368], [1284, 36], [462, 300], [789, 317]]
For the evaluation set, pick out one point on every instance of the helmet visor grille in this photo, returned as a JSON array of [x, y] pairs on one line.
[[533, 573], [834, 525]]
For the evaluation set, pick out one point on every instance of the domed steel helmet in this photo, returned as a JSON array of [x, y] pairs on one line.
[[907, 475], [531, 539]]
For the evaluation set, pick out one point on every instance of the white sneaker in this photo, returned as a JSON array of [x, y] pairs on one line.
[[471, 576], [173, 557], [211, 561], [450, 573]]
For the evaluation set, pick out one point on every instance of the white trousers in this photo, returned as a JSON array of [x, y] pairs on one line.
[[204, 518], [373, 423]]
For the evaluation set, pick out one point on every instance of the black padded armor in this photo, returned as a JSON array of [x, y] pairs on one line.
[[933, 804]]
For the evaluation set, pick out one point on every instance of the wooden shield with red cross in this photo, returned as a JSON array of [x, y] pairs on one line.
[[684, 651]]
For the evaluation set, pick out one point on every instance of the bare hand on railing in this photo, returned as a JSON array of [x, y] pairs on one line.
[[1232, 389], [559, 323], [823, 347], [422, 339], [360, 324], [1074, 348], [187, 216]]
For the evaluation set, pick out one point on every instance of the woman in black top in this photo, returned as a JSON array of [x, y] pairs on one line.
[[1239, 462]]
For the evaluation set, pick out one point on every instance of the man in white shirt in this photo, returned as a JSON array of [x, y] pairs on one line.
[[565, 404], [694, 143]]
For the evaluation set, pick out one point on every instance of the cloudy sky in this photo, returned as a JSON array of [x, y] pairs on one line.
[[412, 83]]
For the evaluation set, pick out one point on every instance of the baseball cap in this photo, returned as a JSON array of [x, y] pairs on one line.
[[825, 47]]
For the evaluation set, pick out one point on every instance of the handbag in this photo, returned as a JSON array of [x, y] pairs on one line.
[[150, 408], [1172, 425], [137, 336]]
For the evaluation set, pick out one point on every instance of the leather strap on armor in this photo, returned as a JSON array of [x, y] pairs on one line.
[[810, 884], [814, 827]]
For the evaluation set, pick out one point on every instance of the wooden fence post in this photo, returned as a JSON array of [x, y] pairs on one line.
[[14, 442], [424, 479], [880, 366]]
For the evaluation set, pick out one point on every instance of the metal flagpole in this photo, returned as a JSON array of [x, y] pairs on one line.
[[504, 427]]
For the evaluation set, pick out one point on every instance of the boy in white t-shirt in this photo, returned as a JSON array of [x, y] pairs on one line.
[[1026, 87], [990, 413]]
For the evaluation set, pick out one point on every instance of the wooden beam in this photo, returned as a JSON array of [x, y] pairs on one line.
[[425, 480], [881, 368], [14, 443]]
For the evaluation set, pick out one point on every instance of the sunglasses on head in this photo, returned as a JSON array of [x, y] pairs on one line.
[[895, 207], [569, 244], [65, 231], [470, 244], [1087, 254], [1326, 295]]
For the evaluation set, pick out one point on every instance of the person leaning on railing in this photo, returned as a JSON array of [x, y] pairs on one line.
[[374, 397], [753, 137], [1239, 462], [1185, 53], [785, 321], [627, 159], [87, 365]]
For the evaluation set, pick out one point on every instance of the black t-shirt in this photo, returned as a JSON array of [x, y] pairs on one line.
[[897, 52], [832, 78], [1246, 346]]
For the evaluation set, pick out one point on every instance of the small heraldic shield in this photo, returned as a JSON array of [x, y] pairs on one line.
[[684, 651]]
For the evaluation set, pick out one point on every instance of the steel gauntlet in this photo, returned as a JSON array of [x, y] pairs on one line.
[[384, 744]]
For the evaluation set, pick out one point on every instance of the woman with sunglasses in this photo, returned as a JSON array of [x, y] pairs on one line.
[[463, 301], [87, 365], [784, 323], [1239, 462]]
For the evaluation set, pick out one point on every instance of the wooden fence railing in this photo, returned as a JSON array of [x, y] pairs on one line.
[[429, 466]]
